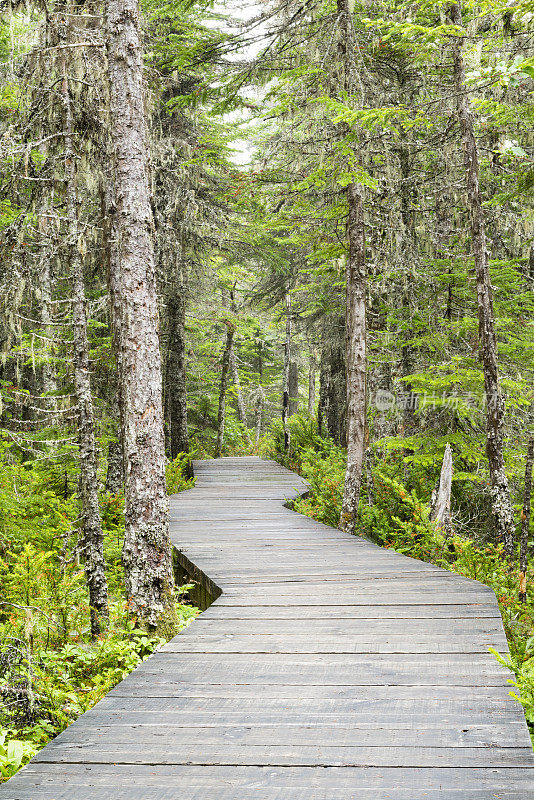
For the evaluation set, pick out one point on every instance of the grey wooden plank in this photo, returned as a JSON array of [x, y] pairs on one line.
[[292, 737], [293, 695], [471, 611], [296, 754], [456, 626], [227, 643], [260, 779]]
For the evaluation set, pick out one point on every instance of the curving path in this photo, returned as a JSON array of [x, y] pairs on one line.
[[328, 669]]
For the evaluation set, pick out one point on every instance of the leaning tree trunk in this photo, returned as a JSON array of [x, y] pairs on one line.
[[147, 550], [225, 368], [356, 361], [176, 383], [92, 539], [501, 505], [285, 374], [525, 523]]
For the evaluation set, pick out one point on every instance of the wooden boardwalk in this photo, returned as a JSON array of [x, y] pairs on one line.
[[328, 669]]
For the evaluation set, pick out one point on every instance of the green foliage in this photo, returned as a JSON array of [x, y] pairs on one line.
[[14, 754], [176, 473]]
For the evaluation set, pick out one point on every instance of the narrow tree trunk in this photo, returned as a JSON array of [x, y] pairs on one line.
[[49, 383], [525, 522], [176, 373], [293, 388], [285, 377], [147, 550], [115, 471], [92, 540], [501, 505], [356, 360], [324, 393], [241, 410], [311, 385], [260, 402], [355, 321], [440, 511], [225, 369]]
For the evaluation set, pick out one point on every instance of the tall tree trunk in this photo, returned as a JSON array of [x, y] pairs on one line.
[[312, 366], [147, 549], [501, 505], [525, 522], [176, 373], [285, 377], [241, 410], [324, 393], [356, 362], [115, 471], [49, 383], [260, 402], [225, 369], [293, 388], [92, 540]]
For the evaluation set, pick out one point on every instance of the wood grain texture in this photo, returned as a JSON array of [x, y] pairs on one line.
[[327, 669]]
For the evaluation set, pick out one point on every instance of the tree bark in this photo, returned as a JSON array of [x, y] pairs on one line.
[[241, 410], [285, 378], [115, 471], [500, 493], [92, 539], [440, 511], [355, 321], [311, 385], [260, 402], [147, 550], [225, 369], [293, 388], [525, 522], [356, 360], [176, 373]]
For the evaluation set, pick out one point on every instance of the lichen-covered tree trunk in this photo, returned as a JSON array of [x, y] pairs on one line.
[[147, 551], [260, 403], [241, 410], [92, 539], [285, 374], [356, 360], [312, 366], [525, 522], [500, 493], [115, 470], [225, 370], [293, 388], [175, 368], [355, 319]]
